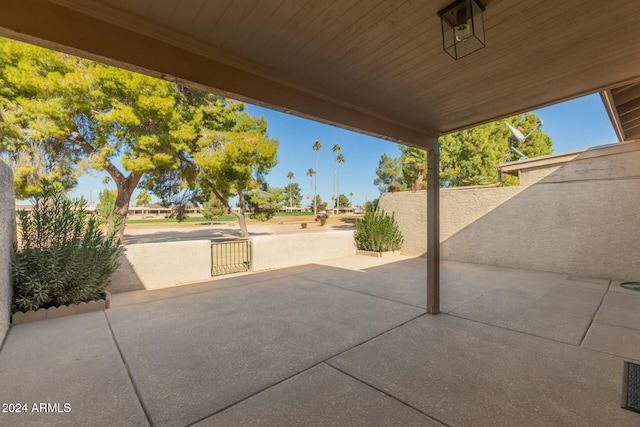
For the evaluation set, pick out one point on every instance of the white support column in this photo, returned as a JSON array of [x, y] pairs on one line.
[[433, 231]]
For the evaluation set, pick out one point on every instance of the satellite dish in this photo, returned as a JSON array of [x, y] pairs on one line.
[[518, 137], [516, 133]]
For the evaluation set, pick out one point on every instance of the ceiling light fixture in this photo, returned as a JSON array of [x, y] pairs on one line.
[[462, 28]]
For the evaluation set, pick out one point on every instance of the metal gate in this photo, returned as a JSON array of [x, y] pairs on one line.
[[230, 257]]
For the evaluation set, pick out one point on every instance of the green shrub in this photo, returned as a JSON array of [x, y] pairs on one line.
[[378, 232], [63, 256], [262, 214], [213, 209]]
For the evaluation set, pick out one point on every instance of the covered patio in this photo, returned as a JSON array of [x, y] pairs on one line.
[[345, 342], [378, 69]]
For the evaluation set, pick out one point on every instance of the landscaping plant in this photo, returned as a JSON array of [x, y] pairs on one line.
[[377, 232], [62, 257]]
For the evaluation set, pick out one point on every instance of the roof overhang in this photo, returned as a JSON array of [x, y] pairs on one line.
[[623, 106], [373, 67]]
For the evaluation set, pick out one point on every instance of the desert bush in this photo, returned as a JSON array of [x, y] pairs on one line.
[[63, 257], [378, 232]]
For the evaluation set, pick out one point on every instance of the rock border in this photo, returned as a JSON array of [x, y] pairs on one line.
[[62, 311]]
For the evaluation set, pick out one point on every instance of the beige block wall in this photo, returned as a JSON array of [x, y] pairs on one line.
[[286, 250], [7, 235], [410, 211], [588, 228]]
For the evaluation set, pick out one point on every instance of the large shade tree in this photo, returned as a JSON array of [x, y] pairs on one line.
[[471, 157], [389, 174], [468, 157], [62, 115], [233, 162]]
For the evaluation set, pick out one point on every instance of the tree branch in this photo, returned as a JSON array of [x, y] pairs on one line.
[[89, 149], [222, 200], [134, 179]]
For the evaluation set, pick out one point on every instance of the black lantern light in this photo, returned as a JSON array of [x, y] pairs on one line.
[[462, 28]]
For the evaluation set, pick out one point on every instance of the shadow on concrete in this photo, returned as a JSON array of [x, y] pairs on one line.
[[124, 279]]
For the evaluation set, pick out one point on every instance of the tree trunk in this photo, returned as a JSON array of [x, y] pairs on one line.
[[419, 185], [240, 215], [315, 189], [125, 187], [338, 191]]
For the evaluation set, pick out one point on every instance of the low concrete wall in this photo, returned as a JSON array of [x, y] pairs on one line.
[[588, 228], [160, 265], [286, 250], [124, 279], [7, 236]]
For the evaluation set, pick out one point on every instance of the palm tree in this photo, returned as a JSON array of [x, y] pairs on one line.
[[290, 176], [339, 159], [316, 147], [336, 149], [351, 199], [310, 174]]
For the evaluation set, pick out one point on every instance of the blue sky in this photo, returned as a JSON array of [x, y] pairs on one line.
[[580, 123]]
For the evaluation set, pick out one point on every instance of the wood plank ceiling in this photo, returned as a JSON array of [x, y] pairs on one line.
[[375, 66]]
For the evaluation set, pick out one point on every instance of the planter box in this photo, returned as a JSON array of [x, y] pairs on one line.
[[64, 310], [374, 253]]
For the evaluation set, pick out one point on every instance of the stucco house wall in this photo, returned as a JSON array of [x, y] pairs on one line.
[[7, 236]]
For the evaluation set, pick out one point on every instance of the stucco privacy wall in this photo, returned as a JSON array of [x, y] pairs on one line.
[[588, 228], [7, 235], [285, 250]]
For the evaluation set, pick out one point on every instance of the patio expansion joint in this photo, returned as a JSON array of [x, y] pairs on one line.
[[4, 340], [389, 395], [362, 293], [507, 329], [595, 313], [631, 328], [324, 361], [129, 373], [538, 336]]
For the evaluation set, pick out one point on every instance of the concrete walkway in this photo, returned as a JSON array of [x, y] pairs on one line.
[[342, 343]]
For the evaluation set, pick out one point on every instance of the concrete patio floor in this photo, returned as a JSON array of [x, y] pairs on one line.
[[346, 342]]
